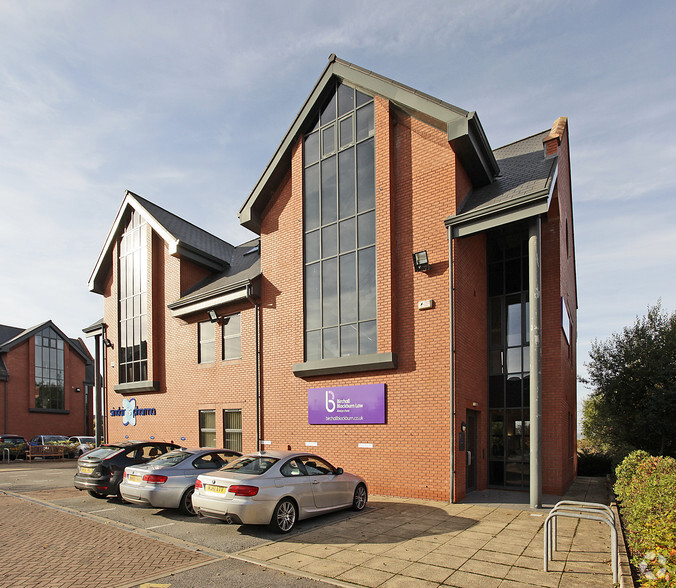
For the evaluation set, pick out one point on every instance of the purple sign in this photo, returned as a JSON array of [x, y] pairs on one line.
[[346, 405]]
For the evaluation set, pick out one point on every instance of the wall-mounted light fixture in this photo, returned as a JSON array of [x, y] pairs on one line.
[[420, 261], [213, 317], [108, 343]]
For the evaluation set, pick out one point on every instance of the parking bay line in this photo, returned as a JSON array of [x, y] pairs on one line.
[[102, 510], [159, 526]]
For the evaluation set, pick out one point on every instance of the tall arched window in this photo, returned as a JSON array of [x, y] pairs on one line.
[[49, 371]]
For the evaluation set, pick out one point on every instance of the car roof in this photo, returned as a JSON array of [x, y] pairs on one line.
[[280, 453], [11, 436]]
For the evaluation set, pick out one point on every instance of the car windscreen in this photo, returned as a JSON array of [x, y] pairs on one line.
[[250, 465], [102, 452], [86, 439], [54, 438], [171, 459]]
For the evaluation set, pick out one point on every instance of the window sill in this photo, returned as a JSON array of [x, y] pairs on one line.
[[50, 410], [346, 365], [137, 387]]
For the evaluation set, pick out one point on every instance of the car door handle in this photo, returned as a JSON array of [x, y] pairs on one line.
[[315, 481]]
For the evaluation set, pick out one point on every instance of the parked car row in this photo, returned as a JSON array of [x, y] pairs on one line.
[[275, 488], [18, 446]]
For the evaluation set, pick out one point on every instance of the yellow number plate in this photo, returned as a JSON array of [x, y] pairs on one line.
[[134, 478], [216, 489], [86, 470]]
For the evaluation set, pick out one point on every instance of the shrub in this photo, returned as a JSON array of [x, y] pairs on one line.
[[646, 488]]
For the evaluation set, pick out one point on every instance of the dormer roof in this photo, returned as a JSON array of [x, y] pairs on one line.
[[182, 238], [465, 133]]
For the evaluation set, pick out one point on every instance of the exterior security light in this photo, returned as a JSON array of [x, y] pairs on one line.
[[420, 261], [213, 317], [107, 342]]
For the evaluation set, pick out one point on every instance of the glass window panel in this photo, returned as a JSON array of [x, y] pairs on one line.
[[495, 362], [495, 279], [362, 98], [497, 434], [366, 198], [52, 357], [330, 292], [346, 135], [38, 357], [345, 99], [496, 322], [348, 340], [137, 372], [312, 246], [514, 390], [496, 391], [330, 241], [232, 325], [59, 359], [514, 360], [368, 338], [313, 345], [144, 370], [367, 283], [346, 187], [348, 288], [59, 343], [311, 149], [365, 122], [526, 359], [514, 323], [311, 197], [329, 190], [329, 111], [45, 357], [328, 140], [331, 345], [366, 229], [233, 348], [513, 276], [347, 235], [313, 314]]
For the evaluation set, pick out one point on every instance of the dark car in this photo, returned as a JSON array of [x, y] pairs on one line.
[[100, 470], [14, 445]]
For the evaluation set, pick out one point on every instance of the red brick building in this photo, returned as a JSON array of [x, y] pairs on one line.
[[46, 381], [410, 305]]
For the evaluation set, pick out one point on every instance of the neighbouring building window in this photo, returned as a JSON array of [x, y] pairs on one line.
[[232, 337], [49, 370], [206, 352], [133, 303], [232, 429], [509, 359], [339, 224], [207, 428]]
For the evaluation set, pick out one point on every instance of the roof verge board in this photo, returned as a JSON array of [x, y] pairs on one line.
[[464, 130]]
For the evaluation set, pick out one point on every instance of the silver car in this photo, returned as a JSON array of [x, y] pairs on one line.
[[169, 480], [277, 488]]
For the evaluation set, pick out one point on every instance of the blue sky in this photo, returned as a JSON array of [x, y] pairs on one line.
[[184, 103]]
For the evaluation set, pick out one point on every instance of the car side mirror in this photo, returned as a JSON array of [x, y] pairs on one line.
[[339, 471]]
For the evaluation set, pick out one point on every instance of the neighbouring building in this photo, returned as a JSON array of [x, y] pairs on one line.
[[407, 309], [46, 381]]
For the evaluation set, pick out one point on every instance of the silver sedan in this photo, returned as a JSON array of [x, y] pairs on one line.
[[169, 480], [277, 488]]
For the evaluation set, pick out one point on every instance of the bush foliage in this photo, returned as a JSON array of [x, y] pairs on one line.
[[646, 491]]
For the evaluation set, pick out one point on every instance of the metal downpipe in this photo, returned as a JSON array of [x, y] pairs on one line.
[[451, 331]]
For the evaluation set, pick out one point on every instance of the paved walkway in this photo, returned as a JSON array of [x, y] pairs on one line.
[[483, 542]]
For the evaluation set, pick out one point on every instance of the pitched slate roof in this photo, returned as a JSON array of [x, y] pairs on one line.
[[182, 237], [245, 265], [24, 334], [523, 188], [7, 333], [465, 133], [524, 170]]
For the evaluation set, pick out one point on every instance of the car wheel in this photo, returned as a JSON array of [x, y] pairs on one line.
[[94, 494], [360, 497], [186, 506], [284, 517]]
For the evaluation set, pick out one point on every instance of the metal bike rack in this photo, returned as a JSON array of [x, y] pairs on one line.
[[6, 452], [592, 511]]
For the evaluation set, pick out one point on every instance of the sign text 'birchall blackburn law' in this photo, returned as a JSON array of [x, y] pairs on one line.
[[346, 405]]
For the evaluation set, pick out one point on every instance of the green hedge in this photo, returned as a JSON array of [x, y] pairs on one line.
[[646, 491]]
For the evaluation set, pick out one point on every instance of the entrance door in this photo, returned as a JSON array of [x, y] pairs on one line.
[[471, 450]]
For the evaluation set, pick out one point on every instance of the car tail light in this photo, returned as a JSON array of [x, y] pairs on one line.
[[243, 490], [124, 474], [198, 484], [154, 479]]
